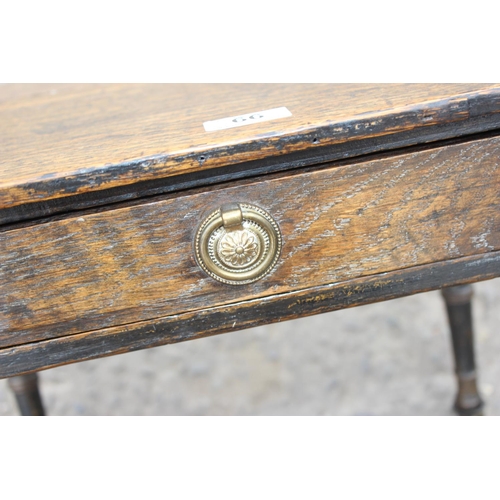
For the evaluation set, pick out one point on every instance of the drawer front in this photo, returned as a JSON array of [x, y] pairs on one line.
[[337, 223]]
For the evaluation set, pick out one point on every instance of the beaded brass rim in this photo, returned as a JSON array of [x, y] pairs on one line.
[[238, 244]]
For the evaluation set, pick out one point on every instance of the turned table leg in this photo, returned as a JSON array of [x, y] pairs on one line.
[[458, 305], [25, 388]]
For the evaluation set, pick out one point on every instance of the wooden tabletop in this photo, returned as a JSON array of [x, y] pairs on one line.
[[63, 140]]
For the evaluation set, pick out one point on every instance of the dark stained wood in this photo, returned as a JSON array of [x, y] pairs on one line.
[[108, 199], [102, 188], [63, 141], [338, 223], [246, 314], [459, 309], [27, 394]]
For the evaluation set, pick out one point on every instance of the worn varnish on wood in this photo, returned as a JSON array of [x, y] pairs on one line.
[[379, 190], [338, 223], [84, 145], [247, 314]]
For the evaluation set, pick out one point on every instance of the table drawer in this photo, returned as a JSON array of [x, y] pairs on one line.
[[337, 223]]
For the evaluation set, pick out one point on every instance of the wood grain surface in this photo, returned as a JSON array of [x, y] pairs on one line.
[[238, 316], [338, 223], [59, 141]]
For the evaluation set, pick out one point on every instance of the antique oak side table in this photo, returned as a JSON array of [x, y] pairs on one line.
[[133, 216]]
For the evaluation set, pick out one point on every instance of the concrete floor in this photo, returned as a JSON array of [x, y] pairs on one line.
[[392, 358]]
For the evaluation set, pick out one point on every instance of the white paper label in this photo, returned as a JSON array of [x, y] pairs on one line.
[[239, 121]]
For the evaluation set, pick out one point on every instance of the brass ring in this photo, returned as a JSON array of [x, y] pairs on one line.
[[238, 244]]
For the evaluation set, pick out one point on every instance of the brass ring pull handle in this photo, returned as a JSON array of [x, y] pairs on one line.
[[238, 244]]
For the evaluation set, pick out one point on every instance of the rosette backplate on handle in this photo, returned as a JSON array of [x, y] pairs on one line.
[[238, 244]]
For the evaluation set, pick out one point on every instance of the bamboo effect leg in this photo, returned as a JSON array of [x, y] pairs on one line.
[[458, 305], [25, 389]]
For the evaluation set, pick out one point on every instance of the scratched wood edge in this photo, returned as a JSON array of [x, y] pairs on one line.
[[242, 315], [107, 199], [460, 107], [120, 267]]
